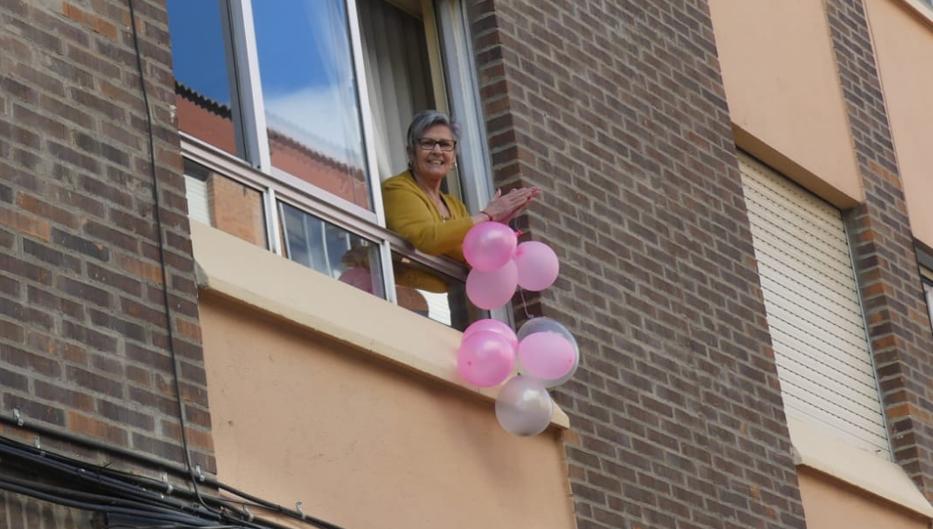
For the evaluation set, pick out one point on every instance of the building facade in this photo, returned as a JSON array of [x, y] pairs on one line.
[[205, 321]]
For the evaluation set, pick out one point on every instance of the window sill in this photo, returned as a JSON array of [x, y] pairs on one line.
[[921, 9], [817, 449], [250, 275]]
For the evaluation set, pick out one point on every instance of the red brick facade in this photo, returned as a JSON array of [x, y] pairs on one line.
[[617, 111], [84, 348], [884, 254]]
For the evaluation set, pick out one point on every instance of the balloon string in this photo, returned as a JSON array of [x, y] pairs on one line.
[[521, 294], [521, 291]]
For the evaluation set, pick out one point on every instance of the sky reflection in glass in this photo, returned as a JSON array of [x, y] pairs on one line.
[[309, 93]]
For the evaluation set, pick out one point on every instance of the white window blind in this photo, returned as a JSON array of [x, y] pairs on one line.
[[813, 309], [199, 207]]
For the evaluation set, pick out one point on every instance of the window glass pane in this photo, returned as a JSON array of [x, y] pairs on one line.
[[432, 294], [330, 250], [928, 289], [225, 204], [309, 93], [398, 77], [202, 81]]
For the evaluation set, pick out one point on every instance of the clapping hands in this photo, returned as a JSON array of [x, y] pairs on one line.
[[503, 208]]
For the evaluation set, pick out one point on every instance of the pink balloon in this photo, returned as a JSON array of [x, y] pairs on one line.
[[491, 290], [489, 245], [546, 355], [495, 326], [485, 359], [537, 265]]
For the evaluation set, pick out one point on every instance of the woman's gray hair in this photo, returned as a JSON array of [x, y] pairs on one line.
[[423, 121]]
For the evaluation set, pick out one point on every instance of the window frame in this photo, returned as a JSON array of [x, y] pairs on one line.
[[926, 284], [294, 193], [450, 49]]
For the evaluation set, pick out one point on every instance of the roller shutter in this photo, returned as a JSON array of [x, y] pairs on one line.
[[813, 309]]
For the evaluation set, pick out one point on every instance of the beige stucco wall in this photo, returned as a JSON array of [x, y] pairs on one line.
[[364, 444], [903, 39], [831, 504], [784, 97]]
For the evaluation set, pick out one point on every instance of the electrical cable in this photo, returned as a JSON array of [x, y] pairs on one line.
[[144, 498], [157, 214], [153, 462], [171, 340], [139, 457], [169, 526], [77, 504], [88, 497], [64, 469], [91, 489]]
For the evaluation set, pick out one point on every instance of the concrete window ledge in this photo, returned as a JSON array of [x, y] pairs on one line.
[[818, 449], [921, 9], [253, 276]]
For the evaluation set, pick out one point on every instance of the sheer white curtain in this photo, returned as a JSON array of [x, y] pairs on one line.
[[398, 77]]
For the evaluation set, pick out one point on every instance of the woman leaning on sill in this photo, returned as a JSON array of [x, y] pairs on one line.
[[436, 222]]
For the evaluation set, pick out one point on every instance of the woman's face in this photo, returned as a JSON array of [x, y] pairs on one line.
[[432, 163]]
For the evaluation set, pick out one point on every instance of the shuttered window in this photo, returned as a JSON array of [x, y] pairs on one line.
[[813, 309]]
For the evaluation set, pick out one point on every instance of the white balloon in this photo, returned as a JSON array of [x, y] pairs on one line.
[[542, 324], [524, 407]]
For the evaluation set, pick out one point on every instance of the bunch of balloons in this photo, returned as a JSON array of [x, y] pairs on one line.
[[499, 265], [543, 352]]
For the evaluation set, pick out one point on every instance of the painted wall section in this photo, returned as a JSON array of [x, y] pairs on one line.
[[903, 42], [784, 97], [831, 504], [363, 444]]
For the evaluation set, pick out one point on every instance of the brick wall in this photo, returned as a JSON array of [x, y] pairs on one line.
[[84, 345], [617, 110], [19, 512], [884, 254], [236, 209]]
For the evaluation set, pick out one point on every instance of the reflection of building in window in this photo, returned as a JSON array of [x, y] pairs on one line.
[[344, 181], [204, 118], [211, 122]]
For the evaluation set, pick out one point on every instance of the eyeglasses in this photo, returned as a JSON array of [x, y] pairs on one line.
[[427, 144]]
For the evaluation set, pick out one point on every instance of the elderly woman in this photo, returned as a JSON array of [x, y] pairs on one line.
[[435, 222]]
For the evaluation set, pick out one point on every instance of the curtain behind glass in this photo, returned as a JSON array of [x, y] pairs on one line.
[[398, 76]]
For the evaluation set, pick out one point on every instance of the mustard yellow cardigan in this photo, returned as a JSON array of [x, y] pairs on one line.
[[411, 213]]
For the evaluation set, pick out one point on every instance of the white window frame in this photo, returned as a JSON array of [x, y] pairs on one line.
[[448, 24]]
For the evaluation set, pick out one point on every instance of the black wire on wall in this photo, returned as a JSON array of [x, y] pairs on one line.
[[165, 297], [134, 501], [14, 455], [118, 495]]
